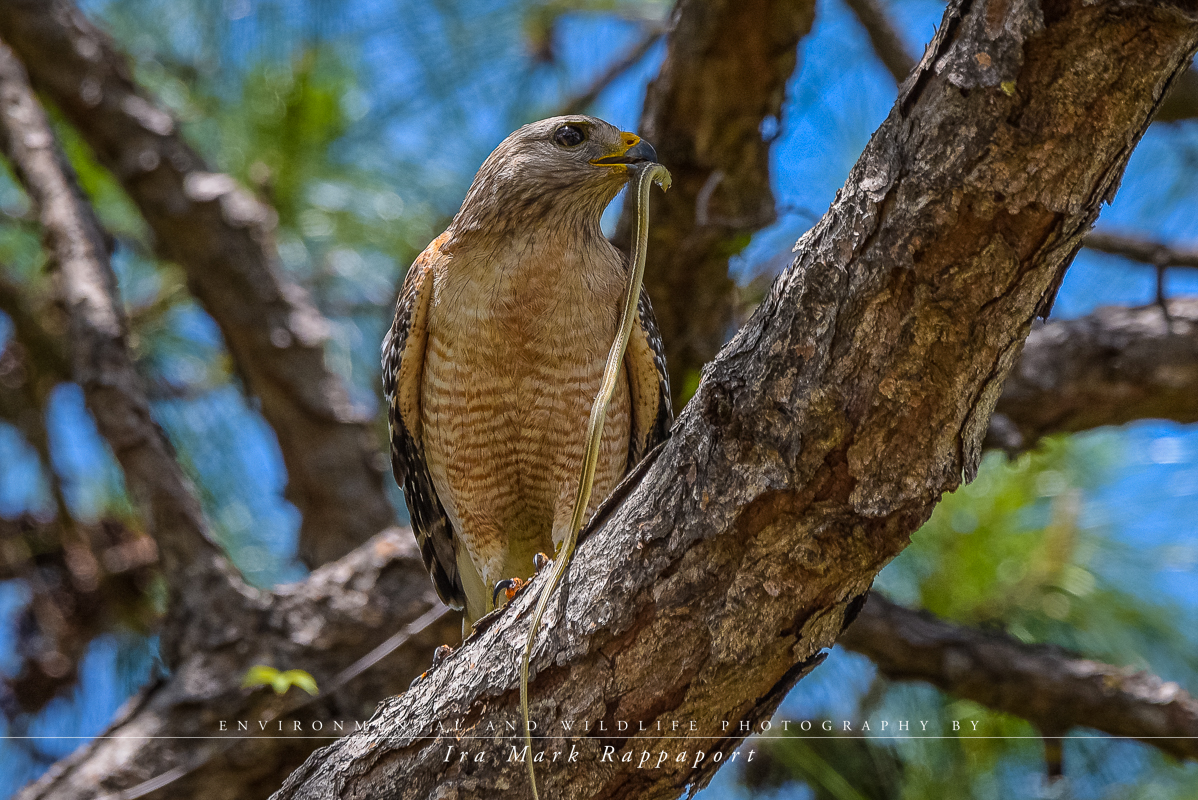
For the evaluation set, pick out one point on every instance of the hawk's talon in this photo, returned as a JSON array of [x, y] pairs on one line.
[[439, 655], [540, 561], [509, 587]]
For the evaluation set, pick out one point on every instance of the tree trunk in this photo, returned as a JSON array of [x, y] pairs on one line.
[[725, 73]]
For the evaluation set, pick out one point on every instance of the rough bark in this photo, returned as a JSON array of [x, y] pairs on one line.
[[1111, 367], [222, 237], [822, 435], [1047, 686], [724, 75], [324, 625], [1180, 104]]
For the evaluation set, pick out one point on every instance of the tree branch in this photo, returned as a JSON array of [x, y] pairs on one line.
[[1047, 350], [887, 43], [101, 363], [222, 237], [1045, 685], [1109, 368], [822, 435], [584, 99], [168, 742], [102, 367], [725, 73], [1141, 347], [1182, 102], [1145, 251]]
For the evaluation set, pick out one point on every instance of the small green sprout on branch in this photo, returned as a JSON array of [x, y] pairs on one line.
[[262, 675]]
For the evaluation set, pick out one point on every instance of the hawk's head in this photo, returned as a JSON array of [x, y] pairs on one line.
[[563, 170]]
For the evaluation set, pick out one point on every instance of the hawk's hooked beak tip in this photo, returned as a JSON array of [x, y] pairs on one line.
[[640, 152]]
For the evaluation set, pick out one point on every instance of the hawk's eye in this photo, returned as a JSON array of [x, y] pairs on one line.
[[569, 136]]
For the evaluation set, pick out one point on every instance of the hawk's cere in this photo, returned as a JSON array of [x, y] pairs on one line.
[[497, 351]]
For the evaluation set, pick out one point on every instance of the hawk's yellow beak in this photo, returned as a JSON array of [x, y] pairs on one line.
[[633, 150]]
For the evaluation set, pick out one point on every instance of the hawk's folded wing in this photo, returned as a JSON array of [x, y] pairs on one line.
[[649, 384], [403, 374]]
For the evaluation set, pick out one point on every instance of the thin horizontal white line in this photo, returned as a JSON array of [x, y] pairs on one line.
[[574, 734]]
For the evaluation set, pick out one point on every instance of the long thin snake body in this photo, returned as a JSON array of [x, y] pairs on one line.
[[648, 175]]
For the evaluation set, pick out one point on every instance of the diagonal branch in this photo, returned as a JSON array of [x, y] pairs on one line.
[[887, 43], [1045, 685], [223, 239], [1111, 367], [101, 363], [1095, 354], [822, 435], [1138, 345], [169, 741], [724, 76], [1182, 102], [581, 102], [1143, 250]]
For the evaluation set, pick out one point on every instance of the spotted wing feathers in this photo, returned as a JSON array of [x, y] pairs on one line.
[[403, 373], [645, 360]]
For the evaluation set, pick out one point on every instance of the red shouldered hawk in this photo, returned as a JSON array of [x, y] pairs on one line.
[[496, 353]]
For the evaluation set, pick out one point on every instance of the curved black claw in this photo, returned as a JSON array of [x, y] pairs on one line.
[[509, 587], [540, 561], [439, 655]]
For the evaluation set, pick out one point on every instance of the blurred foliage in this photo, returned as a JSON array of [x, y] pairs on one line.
[[823, 762], [1011, 552]]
